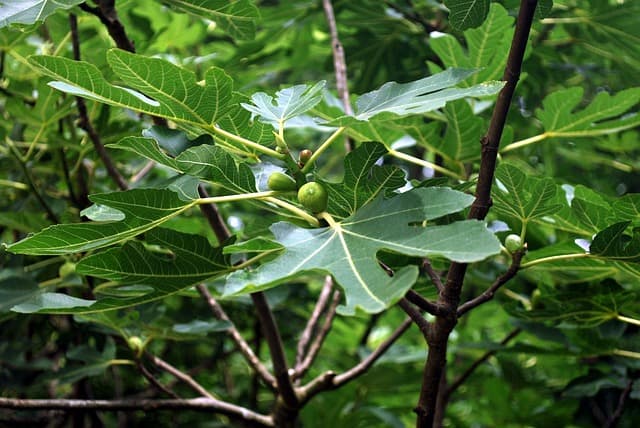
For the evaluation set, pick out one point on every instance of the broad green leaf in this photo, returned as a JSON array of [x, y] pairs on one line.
[[402, 99], [155, 86], [347, 249], [31, 11], [289, 103], [91, 362], [236, 17], [16, 289], [255, 245], [604, 115], [461, 140], [363, 180], [170, 260], [465, 14], [628, 208], [612, 243], [201, 328], [523, 197], [51, 302], [591, 209], [487, 47], [216, 165], [143, 209]]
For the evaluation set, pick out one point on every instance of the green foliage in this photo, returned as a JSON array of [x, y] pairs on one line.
[[97, 279]]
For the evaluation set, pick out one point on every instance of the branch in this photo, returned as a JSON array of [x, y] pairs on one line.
[[435, 278], [450, 295], [464, 376], [615, 416], [329, 380], [499, 282], [108, 15], [178, 374], [339, 63], [197, 404], [424, 304], [242, 344], [305, 337], [153, 381], [274, 341], [85, 122], [215, 220], [320, 337], [416, 316]]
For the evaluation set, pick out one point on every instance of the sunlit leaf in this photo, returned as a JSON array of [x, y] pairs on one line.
[[289, 103], [347, 249], [31, 11]]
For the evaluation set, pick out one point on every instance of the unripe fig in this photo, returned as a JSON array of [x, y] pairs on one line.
[[313, 197], [66, 269], [304, 156], [281, 182], [513, 243], [136, 344]]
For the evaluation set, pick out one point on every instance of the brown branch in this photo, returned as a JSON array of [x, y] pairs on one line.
[[178, 374], [153, 381], [339, 63], [128, 404], [211, 213], [450, 295], [424, 304], [240, 342], [276, 349], [320, 337], [613, 420], [499, 282], [146, 169], [416, 316], [435, 278], [107, 14], [469, 371], [329, 380], [321, 304], [85, 122]]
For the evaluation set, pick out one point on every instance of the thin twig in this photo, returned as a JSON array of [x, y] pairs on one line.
[[329, 380], [143, 172], [424, 304], [464, 376], [108, 15], [153, 381], [499, 282], [240, 342], [339, 63], [321, 304], [613, 420], [85, 122], [197, 404], [215, 220], [435, 278], [178, 374], [276, 349], [416, 316], [315, 346]]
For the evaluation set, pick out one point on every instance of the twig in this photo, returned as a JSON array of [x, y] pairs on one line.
[[424, 304], [321, 304], [339, 63], [153, 381], [197, 404], [435, 278], [613, 420], [464, 376], [499, 282], [108, 15], [85, 122], [242, 344], [215, 220], [329, 380], [368, 329], [416, 316], [320, 337], [143, 172], [274, 341], [178, 374], [450, 295], [366, 364]]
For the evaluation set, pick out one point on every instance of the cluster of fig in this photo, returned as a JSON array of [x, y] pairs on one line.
[[312, 195]]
